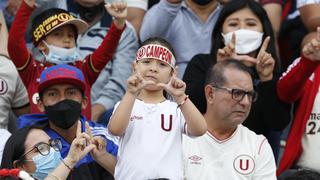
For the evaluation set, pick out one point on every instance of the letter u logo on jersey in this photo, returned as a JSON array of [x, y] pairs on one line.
[[3, 86], [244, 164], [166, 125]]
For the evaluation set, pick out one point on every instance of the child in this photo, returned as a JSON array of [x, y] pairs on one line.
[[150, 126], [54, 32]]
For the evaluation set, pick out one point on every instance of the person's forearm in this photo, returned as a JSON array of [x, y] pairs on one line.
[[62, 171], [120, 118], [108, 162], [196, 123], [291, 85], [16, 44], [135, 17], [310, 16], [162, 14], [274, 11], [97, 111]]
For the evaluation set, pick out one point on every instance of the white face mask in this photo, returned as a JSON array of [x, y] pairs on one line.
[[58, 55], [246, 40]]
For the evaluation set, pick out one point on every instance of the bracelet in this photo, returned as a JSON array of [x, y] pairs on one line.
[[66, 165], [184, 100]]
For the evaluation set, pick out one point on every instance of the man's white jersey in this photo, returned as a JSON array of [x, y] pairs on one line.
[[151, 146], [243, 156]]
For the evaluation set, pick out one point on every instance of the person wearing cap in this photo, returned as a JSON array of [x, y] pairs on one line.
[[111, 83], [150, 126], [62, 96], [54, 33], [228, 150]]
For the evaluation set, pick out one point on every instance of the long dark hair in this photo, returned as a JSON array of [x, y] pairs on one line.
[[234, 6], [15, 148]]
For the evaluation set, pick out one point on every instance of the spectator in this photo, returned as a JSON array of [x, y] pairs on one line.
[[13, 94], [4, 136], [40, 155], [245, 25], [55, 37], [149, 125], [300, 84], [184, 24], [111, 84], [228, 150], [62, 90]]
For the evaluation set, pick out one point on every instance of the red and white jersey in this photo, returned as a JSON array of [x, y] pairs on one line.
[[151, 146], [243, 156], [310, 139]]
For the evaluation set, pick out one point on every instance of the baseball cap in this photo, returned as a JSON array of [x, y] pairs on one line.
[[51, 19], [60, 74]]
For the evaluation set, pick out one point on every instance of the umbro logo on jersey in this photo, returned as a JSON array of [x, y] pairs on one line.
[[195, 159], [3, 87], [133, 118], [244, 164]]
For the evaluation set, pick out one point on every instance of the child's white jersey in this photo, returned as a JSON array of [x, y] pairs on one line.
[[151, 146], [243, 156]]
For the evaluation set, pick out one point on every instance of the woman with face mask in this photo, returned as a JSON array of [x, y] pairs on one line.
[[244, 32], [31, 149]]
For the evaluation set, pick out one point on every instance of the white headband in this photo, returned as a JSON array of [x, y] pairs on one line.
[[156, 51]]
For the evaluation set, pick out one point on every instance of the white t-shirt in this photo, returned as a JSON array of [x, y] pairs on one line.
[[151, 146], [13, 93], [311, 139], [142, 4], [301, 3], [4, 136], [243, 156]]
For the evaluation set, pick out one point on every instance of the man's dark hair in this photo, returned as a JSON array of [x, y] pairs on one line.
[[160, 41], [304, 175], [15, 148], [215, 75]]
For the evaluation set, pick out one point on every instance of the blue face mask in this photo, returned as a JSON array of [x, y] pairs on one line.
[[58, 55], [46, 164]]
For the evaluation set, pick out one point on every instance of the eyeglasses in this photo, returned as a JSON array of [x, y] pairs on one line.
[[238, 94], [44, 148]]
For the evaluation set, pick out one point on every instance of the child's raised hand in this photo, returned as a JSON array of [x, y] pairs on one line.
[[175, 87], [136, 83], [118, 10], [312, 49]]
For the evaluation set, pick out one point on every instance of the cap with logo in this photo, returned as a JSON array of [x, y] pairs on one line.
[[62, 74], [51, 19]]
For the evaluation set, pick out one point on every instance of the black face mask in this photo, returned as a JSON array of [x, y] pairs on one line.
[[64, 113], [202, 2], [89, 13]]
